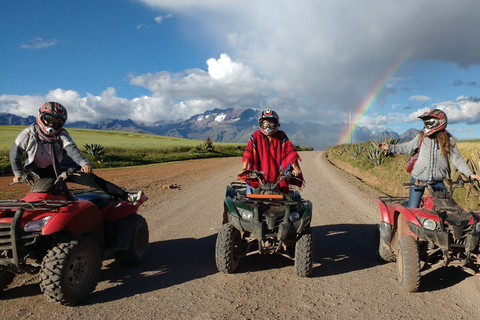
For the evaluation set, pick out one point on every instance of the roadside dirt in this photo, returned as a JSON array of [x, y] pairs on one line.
[[180, 280]]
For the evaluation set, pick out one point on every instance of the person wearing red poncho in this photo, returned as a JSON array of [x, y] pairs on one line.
[[269, 150]]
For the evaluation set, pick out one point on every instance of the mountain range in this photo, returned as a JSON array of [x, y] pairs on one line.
[[229, 125]]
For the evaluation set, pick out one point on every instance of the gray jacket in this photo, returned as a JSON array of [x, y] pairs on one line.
[[66, 151], [431, 164]]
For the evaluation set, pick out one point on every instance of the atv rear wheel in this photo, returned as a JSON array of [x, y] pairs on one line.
[[137, 251], [304, 253], [6, 278], [408, 263], [384, 253], [70, 271], [228, 248]]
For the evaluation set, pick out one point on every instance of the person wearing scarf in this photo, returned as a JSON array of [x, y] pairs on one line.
[[50, 150], [269, 150]]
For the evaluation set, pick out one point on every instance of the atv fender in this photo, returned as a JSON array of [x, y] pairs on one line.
[[386, 214], [77, 218], [229, 207]]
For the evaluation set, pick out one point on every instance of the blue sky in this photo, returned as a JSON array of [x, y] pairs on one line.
[[164, 60]]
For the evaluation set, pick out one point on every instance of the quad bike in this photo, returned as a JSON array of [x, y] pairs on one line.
[[265, 222], [65, 237], [437, 234]]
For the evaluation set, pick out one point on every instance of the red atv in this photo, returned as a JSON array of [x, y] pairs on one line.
[[438, 234], [65, 237]]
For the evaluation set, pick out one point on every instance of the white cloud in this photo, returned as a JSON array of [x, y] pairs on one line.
[[39, 43], [419, 98], [334, 52], [177, 96], [161, 18]]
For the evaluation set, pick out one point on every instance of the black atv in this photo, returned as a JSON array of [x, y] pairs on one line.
[[265, 222]]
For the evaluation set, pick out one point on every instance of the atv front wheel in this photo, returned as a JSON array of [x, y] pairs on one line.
[[227, 248], [408, 263], [6, 278], [70, 271], [304, 253], [137, 251]]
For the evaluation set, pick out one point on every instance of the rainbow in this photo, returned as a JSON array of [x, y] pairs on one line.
[[359, 112]]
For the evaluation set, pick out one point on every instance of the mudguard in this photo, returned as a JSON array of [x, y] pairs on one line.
[[77, 218], [230, 207], [123, 209]]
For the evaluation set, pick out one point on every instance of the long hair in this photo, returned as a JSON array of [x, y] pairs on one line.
[[443, 138]]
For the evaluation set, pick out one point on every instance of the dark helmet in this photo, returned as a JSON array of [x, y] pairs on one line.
[[270, 116], [51, 118], [434, 120]]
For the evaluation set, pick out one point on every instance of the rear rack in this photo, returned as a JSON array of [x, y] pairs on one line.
[[392, 199]]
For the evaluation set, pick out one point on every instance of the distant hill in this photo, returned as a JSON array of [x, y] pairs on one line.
[[229, 125]]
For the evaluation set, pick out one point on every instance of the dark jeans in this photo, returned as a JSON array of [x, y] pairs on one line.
[[90, 180], [416, 193]]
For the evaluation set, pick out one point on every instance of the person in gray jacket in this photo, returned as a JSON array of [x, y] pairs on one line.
[[50, 150], [435, 144]]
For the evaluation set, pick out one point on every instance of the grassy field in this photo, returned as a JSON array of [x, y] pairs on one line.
[[127, 149], [390, 174]]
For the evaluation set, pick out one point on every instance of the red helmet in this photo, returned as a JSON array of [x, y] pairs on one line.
[[270, 116], [434, 120], [51, 118]]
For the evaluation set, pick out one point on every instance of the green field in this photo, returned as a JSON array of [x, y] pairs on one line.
[[127, 149]]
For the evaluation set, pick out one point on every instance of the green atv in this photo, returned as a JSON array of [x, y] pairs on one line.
[[265, 222]]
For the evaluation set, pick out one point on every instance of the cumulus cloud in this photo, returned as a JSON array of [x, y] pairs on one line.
[[174, 96], [334, 52], [39, 43]]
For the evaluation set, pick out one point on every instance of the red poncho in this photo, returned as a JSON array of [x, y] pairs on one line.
[[273, 158]]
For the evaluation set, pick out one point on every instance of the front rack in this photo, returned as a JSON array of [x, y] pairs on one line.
[[35, 205]]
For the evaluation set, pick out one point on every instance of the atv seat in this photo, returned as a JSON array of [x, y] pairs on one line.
[[99, 199]]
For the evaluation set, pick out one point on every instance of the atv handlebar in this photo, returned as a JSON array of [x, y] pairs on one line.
[[26, 179], [260, 177], [453, 185], [65, 174]]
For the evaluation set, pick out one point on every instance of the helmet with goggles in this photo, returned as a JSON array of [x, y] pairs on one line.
[[434, 120], [51, 118], [268, 122]]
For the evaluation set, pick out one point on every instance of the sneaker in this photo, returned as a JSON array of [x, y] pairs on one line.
[[135, 197]]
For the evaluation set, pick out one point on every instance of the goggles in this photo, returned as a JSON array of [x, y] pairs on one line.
[[52, 121], [268, 124], [430, 123]]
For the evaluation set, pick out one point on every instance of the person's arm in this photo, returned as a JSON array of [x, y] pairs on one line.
[[404, 148], [16, 151], [458, 161], [72, 150]]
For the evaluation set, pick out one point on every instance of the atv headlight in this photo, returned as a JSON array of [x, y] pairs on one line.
[[477, 227], [429, 224], [246, 215], [294, 216], [36, 225]]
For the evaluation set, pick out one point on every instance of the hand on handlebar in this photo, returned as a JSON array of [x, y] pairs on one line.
[[86, 169], [296, 172]]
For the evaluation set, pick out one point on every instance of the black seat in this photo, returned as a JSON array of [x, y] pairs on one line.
[[99, 199]]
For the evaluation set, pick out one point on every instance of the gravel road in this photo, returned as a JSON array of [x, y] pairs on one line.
[[180, 280]]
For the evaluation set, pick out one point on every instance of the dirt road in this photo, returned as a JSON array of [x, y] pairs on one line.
[[180, 279]]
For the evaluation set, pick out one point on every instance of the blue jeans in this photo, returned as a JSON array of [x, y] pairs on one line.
[[416, 193]]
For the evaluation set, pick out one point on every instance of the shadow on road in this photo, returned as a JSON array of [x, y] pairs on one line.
[[339, 249], [344, 248], [171, 262]]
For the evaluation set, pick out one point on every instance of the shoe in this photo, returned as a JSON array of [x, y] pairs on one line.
[[135, 197]]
